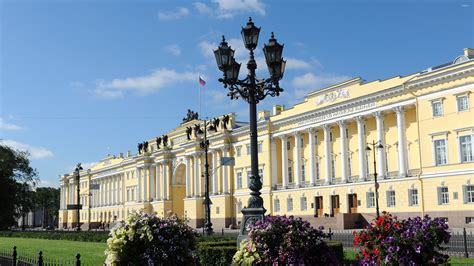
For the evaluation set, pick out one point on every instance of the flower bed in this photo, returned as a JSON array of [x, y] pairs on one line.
[[284, 240], [145, 239], [415, 241]]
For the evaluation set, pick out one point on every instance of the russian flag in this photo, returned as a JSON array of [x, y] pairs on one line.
[[202, 81]]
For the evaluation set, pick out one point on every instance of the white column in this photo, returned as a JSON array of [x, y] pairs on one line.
[[164, 185], [61, 198], [139, 182], [196, 175], [123, 191], [225, 169], [344, 151], [402, 145], [273, 154], [312, 158], [152, 183], [188, 177], [380, 152], [145, 183], [327, 153], [362, 148], [297, 159], [117, 189], [106, 190], [112, 181], [284, 162], [214, 172], [158, 181]]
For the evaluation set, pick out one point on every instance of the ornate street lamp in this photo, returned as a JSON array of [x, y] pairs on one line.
[[207, 201], [78, 177], [252, 90], [375, 145]]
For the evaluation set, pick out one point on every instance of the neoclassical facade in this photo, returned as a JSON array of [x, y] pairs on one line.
[[313, 157]]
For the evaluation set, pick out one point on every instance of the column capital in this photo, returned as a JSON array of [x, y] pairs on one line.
[[342, 123], [283, 137], [378, 114], [326, 127], [296, 134], [312, 130], [399, 109], [360, 119]]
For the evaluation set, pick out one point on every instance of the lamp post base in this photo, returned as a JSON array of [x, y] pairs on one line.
[[251, 215]]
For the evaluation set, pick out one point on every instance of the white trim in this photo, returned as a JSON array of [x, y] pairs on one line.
[[447, 173], [437, 95]]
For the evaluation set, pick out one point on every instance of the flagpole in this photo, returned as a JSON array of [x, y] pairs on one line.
[[199, 84]]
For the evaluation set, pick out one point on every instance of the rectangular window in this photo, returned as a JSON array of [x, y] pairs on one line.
[[249, 173], [303, 204], [333, 169], [469, 194], [248, 148], [301, 142], [317, 168], [347, 133], [465, 145], [290, 174], [437, 108], [238, 151], [289, 204], [260, 173], [218, 210], [463, 103], [469, 220], [260, 147], [370, 199], [288, 145], [276, 205], [330, 136], [440, 151], [239, 180], [391, 198], [443, 195], [413, 197], [303, 175]]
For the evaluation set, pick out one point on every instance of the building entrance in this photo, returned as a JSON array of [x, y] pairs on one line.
[[178, 190]]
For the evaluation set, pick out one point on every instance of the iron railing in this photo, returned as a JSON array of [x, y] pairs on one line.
[[14, 258]]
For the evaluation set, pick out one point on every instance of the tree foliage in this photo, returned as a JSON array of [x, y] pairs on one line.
[[17, 178]]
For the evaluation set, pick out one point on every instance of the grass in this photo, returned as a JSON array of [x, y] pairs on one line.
[[91, 253]]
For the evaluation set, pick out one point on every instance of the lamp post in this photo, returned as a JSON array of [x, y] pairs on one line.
[[375, 145], [252, 90], [78, 177], [207, 201]]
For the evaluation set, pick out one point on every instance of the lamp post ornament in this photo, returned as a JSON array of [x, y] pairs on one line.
[[207, 201], [375, 145], [252, 90], [78, 177]]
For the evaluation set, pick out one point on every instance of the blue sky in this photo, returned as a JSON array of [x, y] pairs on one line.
[[80, 79]]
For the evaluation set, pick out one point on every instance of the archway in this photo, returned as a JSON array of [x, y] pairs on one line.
[[178, 190]]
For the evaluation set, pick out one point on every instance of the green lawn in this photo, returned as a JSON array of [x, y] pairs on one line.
[[92, 253]]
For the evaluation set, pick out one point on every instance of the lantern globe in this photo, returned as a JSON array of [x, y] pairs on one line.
[[223, 55], [273, 50], [250, 35]]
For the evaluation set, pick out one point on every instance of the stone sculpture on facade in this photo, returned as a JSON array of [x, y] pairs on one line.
[[191, 115]]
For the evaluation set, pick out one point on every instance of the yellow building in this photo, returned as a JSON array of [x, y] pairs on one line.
[[313, 158]]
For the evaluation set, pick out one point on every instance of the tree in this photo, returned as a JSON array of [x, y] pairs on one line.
[[17, 178], [47, 198]]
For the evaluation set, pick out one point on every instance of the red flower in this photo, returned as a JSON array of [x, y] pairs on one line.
[[376, 251]]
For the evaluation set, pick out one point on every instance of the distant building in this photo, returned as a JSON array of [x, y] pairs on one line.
[[313, 158]]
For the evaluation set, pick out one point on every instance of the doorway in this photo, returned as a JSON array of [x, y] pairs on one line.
[[318, 202], [352, 198], [334, 205]]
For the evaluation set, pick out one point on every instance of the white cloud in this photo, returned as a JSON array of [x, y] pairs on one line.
[[293, 63], [36, 153], [46, 183], [230, 8], [181, 12], [173, 49], [310, 82], [153, 82], [6, 126], [465, 5]]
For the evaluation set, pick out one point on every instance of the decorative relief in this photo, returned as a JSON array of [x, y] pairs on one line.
[[332, 96], [337, 113]]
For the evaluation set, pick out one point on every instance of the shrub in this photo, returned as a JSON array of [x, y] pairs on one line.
[[215, 253], [416, 241], [145, 239], [337, 248], [284, 240]]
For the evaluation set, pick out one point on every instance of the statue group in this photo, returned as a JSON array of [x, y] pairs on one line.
[[190, 116]]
